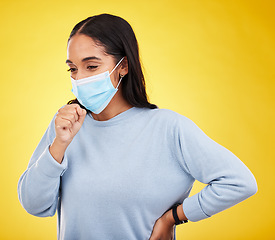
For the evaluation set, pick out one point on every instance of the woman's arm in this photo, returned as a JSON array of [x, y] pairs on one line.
[[228, 179], [38, 186]]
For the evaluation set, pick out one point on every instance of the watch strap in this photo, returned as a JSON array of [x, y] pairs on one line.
[[175, 215]]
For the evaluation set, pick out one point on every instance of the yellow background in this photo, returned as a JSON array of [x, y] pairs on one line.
[[210, 60]]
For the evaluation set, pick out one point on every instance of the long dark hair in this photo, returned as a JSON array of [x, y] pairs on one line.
[[119, 40]]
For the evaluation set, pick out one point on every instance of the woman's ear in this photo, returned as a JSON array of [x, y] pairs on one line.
[[124, 67]]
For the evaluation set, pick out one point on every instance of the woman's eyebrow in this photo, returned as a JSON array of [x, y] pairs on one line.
[[85, 59]]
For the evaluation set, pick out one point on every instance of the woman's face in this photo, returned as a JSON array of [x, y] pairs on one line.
[[86, 58]]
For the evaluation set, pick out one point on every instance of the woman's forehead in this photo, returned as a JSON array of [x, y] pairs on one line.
[[81, 46]]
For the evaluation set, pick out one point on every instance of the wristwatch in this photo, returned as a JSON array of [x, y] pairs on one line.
[[175, 215]]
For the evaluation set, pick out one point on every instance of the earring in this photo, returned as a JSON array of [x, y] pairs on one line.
[[121, 75]]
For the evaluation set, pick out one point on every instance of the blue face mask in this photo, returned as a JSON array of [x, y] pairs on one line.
[[95, 92]]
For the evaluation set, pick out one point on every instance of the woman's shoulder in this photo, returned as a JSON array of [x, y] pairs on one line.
[[167, 113]]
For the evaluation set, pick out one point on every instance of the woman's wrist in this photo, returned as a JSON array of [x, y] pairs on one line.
[[169, 218], [180, 213], [57, 150]]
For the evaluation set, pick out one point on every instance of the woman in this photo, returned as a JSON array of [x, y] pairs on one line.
[[115, 166]]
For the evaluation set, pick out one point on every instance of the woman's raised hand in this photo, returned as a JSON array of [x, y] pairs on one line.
[[68, 121]]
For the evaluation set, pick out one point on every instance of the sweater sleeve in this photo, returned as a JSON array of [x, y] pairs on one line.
[[228, 179], [38, 186]]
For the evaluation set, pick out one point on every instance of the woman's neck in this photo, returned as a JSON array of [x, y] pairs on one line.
[[117, 105]]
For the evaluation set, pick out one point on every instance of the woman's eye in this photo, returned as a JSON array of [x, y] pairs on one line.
[[71, 69], [92, 67]]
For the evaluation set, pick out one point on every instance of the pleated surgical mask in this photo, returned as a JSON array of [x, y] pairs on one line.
[[95, 92]]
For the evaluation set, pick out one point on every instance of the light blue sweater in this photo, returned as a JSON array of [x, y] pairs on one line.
[[119, 176]]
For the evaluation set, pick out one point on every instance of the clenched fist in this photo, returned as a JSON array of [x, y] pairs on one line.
[[68, 121]]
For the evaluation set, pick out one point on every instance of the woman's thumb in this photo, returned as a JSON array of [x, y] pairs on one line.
[[82, 113]]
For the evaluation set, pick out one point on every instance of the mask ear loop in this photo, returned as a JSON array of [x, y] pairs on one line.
[[116, 65], [119, 81], [114, 70]]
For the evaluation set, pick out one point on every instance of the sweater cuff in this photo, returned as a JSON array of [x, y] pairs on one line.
[[192, 209], [49, 166]]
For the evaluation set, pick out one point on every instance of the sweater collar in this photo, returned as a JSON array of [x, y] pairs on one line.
[[118, 119]]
